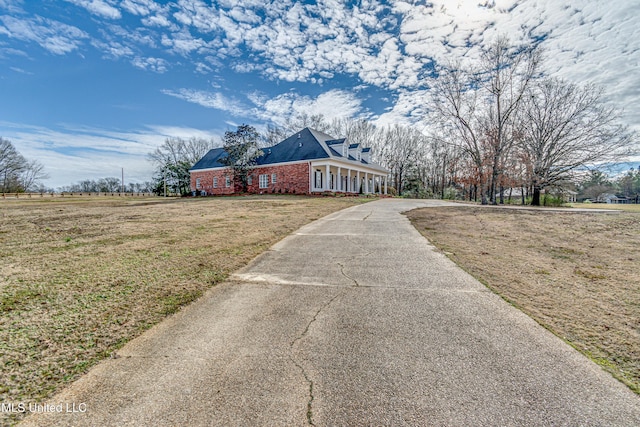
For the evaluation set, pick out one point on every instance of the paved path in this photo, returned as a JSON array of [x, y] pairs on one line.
[[353, 320]]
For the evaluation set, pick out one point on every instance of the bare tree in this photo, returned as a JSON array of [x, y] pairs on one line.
[[31, 176], [477, 106], [12, 165], [273, 135], [398, 149], [509, 71], [566, 127], [174, 158], [440, 163], [458, 115], [18, 174]]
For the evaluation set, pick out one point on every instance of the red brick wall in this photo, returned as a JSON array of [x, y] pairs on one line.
[[206, 181], [289, 179]]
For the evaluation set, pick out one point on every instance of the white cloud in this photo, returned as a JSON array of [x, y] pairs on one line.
[[157, 65], [408, 109], [182, 43], [54, 36], [21, 71], [332, 104], [113, 49], [12, 6], [206, 99], [67, 159], [141, 7], [98, 7]]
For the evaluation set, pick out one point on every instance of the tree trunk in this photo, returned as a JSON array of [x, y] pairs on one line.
[[535, 201]]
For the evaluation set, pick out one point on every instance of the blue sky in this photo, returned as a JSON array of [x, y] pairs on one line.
[[88, 87]]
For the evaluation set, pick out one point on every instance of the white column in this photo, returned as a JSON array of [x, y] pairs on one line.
[[339, 180], [386, 178], [349, 181], [366, 183], [327, 178], [357, 182]]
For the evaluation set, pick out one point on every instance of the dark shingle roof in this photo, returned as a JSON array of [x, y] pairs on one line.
[[211, 159], [334, 153], [299, 146], [303, 145], [308, 144]]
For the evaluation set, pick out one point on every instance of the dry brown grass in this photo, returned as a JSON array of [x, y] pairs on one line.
[[79, 278], [574, 273], [607, 206]]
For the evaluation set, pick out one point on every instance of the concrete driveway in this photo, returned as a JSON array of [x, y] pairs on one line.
[[353, 320]]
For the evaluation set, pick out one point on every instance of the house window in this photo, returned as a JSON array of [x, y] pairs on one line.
[[227, 181], [215, 182], [318, 179], [250, 180], [264, 181], [345, 149], [197, 183], [273, 178]]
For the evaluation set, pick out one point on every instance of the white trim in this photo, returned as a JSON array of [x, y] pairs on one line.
[[318, 162], [263, 180], [295, 162], [350, 164]]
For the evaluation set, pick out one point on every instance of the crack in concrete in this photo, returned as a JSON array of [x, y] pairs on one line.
[[347, 276], [368, 215], [299, 365], [358, 245]]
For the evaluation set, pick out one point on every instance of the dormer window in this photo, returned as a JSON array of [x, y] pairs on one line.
[[358, 156], [345, 150]]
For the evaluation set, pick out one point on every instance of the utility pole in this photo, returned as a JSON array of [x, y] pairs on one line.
[[122, 180], [165, 183]]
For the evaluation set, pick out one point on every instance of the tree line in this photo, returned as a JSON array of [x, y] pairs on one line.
[[107, 185], [512, 126]]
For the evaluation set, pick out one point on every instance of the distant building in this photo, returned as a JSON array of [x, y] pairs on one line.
[[516, 193], [305, 163], [613, 199]]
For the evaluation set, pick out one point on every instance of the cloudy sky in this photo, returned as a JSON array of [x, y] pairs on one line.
[[88, 87]]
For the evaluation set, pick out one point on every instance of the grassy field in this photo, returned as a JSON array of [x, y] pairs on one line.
[[79, 278], [607, 206], [574, 273]]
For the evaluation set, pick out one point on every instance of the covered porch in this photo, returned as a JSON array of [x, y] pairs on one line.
[[347, 178]]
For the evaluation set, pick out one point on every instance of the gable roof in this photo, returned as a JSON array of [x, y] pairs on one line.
[[308, 144], [302, 145], [211, 159]]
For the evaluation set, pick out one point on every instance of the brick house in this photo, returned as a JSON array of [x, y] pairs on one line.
[[305, 163]]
